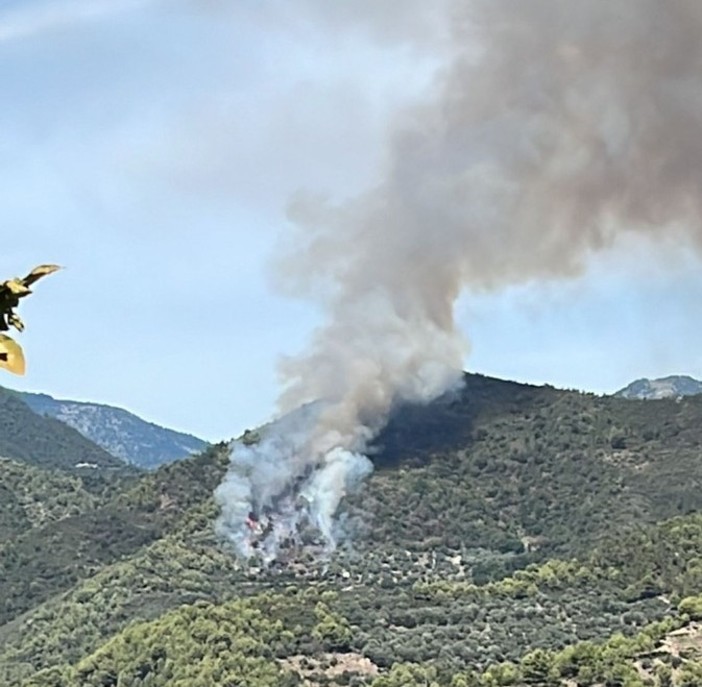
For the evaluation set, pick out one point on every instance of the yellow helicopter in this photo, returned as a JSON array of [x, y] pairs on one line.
[[11, 291]]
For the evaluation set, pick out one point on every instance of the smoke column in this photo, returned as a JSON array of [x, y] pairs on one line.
[[553, 128]]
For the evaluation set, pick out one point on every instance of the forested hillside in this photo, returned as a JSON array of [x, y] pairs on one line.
[[33, 497], [509, 535]]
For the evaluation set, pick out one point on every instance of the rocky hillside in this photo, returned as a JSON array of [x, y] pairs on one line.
[[674, 386], [44, 441], [119, 432]]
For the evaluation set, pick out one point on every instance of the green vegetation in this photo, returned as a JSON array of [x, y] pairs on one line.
[[32, 497], [519, 470], [261, 640], [45, 442], [510, 535], [52, 558], [199, 645]]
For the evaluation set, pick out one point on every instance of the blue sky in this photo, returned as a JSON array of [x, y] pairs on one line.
[[152, 148]]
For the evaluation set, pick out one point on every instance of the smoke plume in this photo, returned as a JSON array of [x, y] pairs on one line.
[[552, 129]]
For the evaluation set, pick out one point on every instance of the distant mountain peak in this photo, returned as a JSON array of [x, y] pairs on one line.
[[121, 433], [672, 386]]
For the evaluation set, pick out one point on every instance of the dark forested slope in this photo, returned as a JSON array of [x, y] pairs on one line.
[[514, 468]]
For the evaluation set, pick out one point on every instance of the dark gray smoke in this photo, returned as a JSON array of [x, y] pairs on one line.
[[553, 128]]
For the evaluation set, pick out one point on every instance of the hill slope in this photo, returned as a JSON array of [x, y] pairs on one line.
[[129, 514], [32, 497], [518, 469], [43, 441], [121, 433], [500, 522]]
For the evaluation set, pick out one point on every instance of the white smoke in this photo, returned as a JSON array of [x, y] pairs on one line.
[[291, 478], [553, 128]]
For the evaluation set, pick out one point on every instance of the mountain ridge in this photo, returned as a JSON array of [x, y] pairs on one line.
[[45, 441], [672, 386], [120, 432]]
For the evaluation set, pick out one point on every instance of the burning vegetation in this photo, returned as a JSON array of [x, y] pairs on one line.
[[551, 131]]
